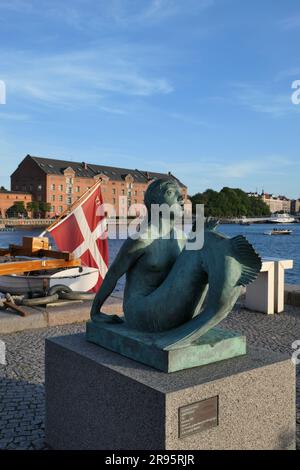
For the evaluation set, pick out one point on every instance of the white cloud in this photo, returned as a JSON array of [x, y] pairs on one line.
[[86, 14], [130, 12], [262, 100], [201, 173], [96, 75]]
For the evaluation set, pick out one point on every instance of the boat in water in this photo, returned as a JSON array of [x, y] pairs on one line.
[[282, 219], [4, 228], [279, 231]]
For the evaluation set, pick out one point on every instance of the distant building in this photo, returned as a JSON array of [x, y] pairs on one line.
[[61, 183], [8, 199], [275, 203], [295, 206]]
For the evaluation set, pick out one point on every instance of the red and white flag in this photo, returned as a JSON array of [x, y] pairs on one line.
[[81, 233]]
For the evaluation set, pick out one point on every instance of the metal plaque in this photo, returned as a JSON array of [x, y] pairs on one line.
[[198, 416]]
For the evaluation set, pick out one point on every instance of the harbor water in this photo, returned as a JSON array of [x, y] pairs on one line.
[[285, 246]]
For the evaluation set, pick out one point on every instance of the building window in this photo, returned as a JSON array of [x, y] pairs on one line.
[[114, 191], [60, 208], [135, 193], [69, 180], [69, 190], [52, 187], [123, 192], [53, 197], [113, 200], [60, 198], [69, 200], [135, 201], [39, 187], [60, 187], [78, 189], [52, 209]]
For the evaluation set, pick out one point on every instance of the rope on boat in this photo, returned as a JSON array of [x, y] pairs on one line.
[[40, 300], [56, 292], [77, 295]]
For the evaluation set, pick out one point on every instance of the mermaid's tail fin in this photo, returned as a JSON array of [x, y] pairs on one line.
[[231, 264], [250, 261]]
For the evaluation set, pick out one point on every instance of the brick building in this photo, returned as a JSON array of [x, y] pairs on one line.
[[61, 183], [8, 199], [295, 206], [275, 203]]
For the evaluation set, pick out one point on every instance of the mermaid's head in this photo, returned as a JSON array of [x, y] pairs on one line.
[[162, 191]]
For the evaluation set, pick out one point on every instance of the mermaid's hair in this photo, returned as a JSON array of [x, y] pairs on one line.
[[155, 190]]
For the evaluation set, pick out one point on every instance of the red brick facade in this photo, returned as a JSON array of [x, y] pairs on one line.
[[8, 198], [61, 183]]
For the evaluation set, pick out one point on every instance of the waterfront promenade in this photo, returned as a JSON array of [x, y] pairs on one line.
[[22, 396]]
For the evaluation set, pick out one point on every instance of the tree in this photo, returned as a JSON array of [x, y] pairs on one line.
[[16, 210], [44, 207], [230, 202], [32, 207]]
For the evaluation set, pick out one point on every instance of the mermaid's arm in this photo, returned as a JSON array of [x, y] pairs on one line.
[[129, 253]]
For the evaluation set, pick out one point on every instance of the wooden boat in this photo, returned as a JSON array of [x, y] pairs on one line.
[[34, 267], [81, 279]]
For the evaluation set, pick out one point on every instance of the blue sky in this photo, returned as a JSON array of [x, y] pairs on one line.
[[201, 88]]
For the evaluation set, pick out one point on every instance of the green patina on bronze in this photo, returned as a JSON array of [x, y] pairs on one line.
[[175, 294], [215, 345]]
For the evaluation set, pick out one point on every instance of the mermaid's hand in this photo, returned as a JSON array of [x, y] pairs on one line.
[[99, 317]]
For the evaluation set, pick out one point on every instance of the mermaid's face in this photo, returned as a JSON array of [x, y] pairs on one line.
[[173, 197]]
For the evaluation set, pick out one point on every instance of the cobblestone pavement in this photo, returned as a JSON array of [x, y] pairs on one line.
[[22, 379]]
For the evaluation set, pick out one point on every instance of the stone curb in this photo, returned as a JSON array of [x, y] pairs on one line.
[[67, 313]]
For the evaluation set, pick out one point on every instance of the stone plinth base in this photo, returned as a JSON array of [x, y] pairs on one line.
[[97, 399], [216, 345]]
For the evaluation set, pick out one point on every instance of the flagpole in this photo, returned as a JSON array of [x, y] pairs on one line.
[[69, 209]]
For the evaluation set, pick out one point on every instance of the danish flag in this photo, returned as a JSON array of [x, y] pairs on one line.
[[83, 233]]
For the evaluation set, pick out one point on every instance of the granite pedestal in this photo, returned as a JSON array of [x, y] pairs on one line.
[[98, 399]]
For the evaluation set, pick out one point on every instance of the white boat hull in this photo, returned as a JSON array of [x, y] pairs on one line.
[[78, 279]]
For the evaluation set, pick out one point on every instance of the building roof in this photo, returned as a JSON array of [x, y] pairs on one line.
[[86, 170]]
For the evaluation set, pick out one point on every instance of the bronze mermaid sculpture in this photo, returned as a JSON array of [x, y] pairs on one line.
[[177, 293]]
